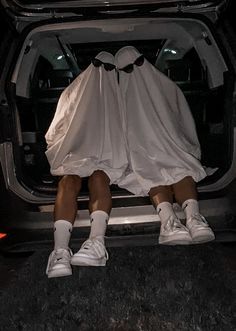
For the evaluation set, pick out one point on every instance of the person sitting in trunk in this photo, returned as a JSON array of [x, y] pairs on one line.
[[164, 150], [135, 131], [93, 251], [85, 140]]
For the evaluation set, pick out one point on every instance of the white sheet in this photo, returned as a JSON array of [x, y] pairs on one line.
[[140, 131], [160, 130], [86, 131]]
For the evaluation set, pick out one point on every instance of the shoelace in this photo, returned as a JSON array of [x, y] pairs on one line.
[[97, 247], [198, 219], [173, 224]]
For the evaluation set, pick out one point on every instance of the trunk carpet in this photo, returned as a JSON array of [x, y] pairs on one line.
[[141, 288]]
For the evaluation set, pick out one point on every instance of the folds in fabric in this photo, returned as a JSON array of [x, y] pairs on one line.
[[86, 132], [138, 129], [160, 129]]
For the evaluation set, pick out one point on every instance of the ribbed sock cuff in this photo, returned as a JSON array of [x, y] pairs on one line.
[[190, 207], [62, 234], [99, 220]]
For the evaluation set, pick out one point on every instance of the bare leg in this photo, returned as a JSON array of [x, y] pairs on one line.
[[99, 190], [64, 216], [162, 200], [161, 194], [184, 190], [99, 204], [66, 200], [93, 251]]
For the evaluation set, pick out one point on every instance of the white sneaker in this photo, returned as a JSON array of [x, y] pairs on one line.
[[199, 229], [91, 253], [173, 232], [59, 263]]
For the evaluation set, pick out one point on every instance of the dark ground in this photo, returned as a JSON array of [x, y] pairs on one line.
[[142, 288], [150, 288]]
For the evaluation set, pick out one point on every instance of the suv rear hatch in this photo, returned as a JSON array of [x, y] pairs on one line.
[[58, 39]]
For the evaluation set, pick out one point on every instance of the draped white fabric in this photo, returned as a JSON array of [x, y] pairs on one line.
[[160, 130], [86, 131], [138, 129]]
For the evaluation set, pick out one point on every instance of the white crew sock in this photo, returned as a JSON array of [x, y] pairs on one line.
[[190, 208], [165, 211], [99, 220], [62, 233]]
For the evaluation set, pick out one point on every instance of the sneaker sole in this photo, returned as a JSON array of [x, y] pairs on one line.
[[85, 261], [175, 240], [203, 238], [59, 273]]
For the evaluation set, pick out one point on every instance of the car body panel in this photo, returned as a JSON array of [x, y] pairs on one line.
[[25, 12], [34, 21]]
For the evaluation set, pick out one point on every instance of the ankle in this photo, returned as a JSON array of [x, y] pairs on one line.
[[165, 211], [62, 234], [99, 220], [99, 238], [191, 208]]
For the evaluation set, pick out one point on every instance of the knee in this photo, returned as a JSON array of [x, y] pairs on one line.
[[165, 189], [70, 183], [98, 178], [186, 182]]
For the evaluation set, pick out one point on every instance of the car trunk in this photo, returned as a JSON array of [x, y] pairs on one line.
[[51, 55]]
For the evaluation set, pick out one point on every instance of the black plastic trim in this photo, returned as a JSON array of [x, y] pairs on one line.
[[11, 88], [22, 9]]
